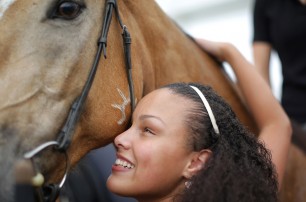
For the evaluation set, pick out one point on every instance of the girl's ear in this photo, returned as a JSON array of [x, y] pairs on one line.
[[196, 163]]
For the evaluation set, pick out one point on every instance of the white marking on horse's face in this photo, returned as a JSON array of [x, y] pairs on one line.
[[121, 107], [4, 5]]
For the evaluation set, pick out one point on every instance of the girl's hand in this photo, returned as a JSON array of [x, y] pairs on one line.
[[219, 49]]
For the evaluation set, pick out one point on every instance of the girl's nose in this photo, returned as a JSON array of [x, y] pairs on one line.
[[123, 140]]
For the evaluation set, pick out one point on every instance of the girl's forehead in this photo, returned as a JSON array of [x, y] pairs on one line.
[[164, 103], [163, 98]]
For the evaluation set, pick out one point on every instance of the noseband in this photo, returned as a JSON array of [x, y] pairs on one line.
[[50, 192]]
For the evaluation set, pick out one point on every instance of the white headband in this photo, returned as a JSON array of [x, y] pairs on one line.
[[210, 113]]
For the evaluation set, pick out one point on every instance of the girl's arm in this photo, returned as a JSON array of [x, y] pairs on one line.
[[273, 123], [262, 53]]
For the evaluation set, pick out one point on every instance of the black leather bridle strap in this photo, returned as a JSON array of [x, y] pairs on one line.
[[111, 4], [106, 24], [127, 52], [65, 135]]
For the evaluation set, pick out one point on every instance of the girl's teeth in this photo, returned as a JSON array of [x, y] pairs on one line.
[[123, 163]]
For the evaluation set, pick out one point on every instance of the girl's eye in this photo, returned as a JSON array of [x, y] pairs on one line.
[[147, 130]]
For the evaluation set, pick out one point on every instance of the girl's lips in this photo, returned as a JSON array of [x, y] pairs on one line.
[[116, 168]]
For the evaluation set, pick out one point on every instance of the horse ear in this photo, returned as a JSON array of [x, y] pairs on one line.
[[196, 163]]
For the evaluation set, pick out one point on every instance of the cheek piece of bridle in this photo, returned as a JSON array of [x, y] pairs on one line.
[[49, 193]]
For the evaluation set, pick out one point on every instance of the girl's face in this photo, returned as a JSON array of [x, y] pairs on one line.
[[153, 154]]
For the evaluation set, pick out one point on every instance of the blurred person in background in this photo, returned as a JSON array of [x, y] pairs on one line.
[[280, 25]]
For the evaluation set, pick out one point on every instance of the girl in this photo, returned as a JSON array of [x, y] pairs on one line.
[[186, 144]]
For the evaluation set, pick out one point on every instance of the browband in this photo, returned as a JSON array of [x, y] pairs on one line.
[[210, 113]]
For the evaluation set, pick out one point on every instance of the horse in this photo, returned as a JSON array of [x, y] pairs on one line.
[[48, 51]]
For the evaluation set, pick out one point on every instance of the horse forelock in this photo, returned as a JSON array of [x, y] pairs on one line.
[[4, 5]]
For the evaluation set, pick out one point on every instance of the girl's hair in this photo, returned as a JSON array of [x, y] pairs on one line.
[[240, 168]]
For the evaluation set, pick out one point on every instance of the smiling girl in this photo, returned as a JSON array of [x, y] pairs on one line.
[[186, 144]]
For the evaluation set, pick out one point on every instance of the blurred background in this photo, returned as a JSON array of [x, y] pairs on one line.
[[221, 20]]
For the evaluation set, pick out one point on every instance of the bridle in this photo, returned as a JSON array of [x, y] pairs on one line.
[[65, 136], [50, 192]]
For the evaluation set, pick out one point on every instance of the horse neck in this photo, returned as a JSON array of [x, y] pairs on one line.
[[162, 45], [166, 55], [149, 20]]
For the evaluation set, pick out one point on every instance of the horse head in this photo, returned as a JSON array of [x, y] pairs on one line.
[[47, 51]]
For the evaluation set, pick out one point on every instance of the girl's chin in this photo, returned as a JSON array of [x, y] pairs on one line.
[[110, 183], [117, 186]]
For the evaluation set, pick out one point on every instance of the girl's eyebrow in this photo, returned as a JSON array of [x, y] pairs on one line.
[[146, 116]]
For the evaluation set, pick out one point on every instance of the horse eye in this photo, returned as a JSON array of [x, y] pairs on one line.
[[67, 10]]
